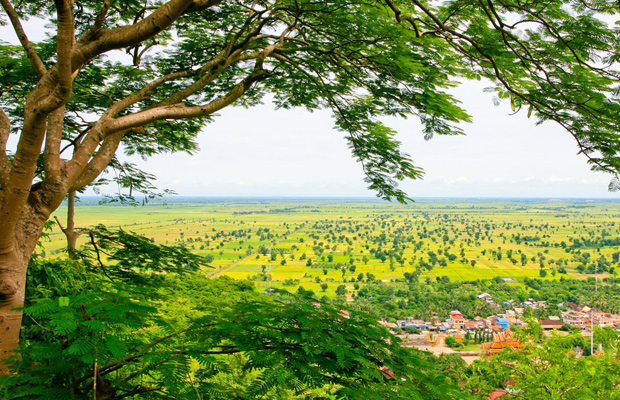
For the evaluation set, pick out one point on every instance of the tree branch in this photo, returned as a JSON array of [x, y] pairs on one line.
[[181, 111], [167, 109], [53, 137], [103, 268], [101, 15], [139, 353], [146, 91], [98, 163], [5, 131], [98, 41], [62, 74], [23, 39], [221, 62]]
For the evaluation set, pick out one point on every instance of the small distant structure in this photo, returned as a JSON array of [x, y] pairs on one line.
[[551, 324], [485, 296], [344, 314], [508, 389], [390, 325], [503, 322], [456, 320], [501, 341], [435, 340]]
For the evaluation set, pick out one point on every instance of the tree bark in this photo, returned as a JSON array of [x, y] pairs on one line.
[[13, 266]]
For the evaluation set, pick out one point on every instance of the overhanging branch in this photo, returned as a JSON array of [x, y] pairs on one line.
[[181, 111], [5, 131]]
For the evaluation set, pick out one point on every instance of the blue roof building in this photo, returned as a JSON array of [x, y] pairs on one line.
[[503, 322]]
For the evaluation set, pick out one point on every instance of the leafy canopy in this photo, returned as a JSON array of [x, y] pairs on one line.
[[363, 60]]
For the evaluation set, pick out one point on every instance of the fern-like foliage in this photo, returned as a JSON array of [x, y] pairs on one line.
[[124, 331]]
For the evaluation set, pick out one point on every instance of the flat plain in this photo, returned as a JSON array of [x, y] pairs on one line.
[[311, 243]]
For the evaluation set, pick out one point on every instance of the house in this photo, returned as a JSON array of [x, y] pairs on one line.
[[604, 322], [550, 324], [502, 322], [473, 325], [485, 297], [456, 320], [390, 325], [576, 318], [496, 394], [412, 323]]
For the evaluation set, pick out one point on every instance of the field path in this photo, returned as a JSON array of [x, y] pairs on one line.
[[231, 266]]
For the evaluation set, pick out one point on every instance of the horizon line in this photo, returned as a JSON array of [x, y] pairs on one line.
[[166, 198]]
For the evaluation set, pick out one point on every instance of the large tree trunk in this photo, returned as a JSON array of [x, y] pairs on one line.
[[13, 266]]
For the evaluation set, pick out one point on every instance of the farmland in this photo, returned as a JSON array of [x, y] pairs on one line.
[[320, 244]]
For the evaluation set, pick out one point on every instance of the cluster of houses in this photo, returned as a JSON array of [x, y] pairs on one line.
[[436, 330], [583, 317], [456, 323], [578, 316]]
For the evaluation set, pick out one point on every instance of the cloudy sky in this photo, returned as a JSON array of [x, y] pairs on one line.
[[267, 152], [263, 152]]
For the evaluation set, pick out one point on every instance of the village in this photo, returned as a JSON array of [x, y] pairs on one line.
[[484, 336]]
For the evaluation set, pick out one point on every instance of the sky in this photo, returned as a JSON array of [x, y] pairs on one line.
[[263, 152], [294, 153]]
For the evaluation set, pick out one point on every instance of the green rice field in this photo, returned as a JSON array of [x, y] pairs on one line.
[[313, 242]]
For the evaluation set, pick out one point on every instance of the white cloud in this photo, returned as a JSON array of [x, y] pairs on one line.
[[462, 179]]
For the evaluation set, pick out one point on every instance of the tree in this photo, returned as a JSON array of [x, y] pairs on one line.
[[73, 107], [451, 341]]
